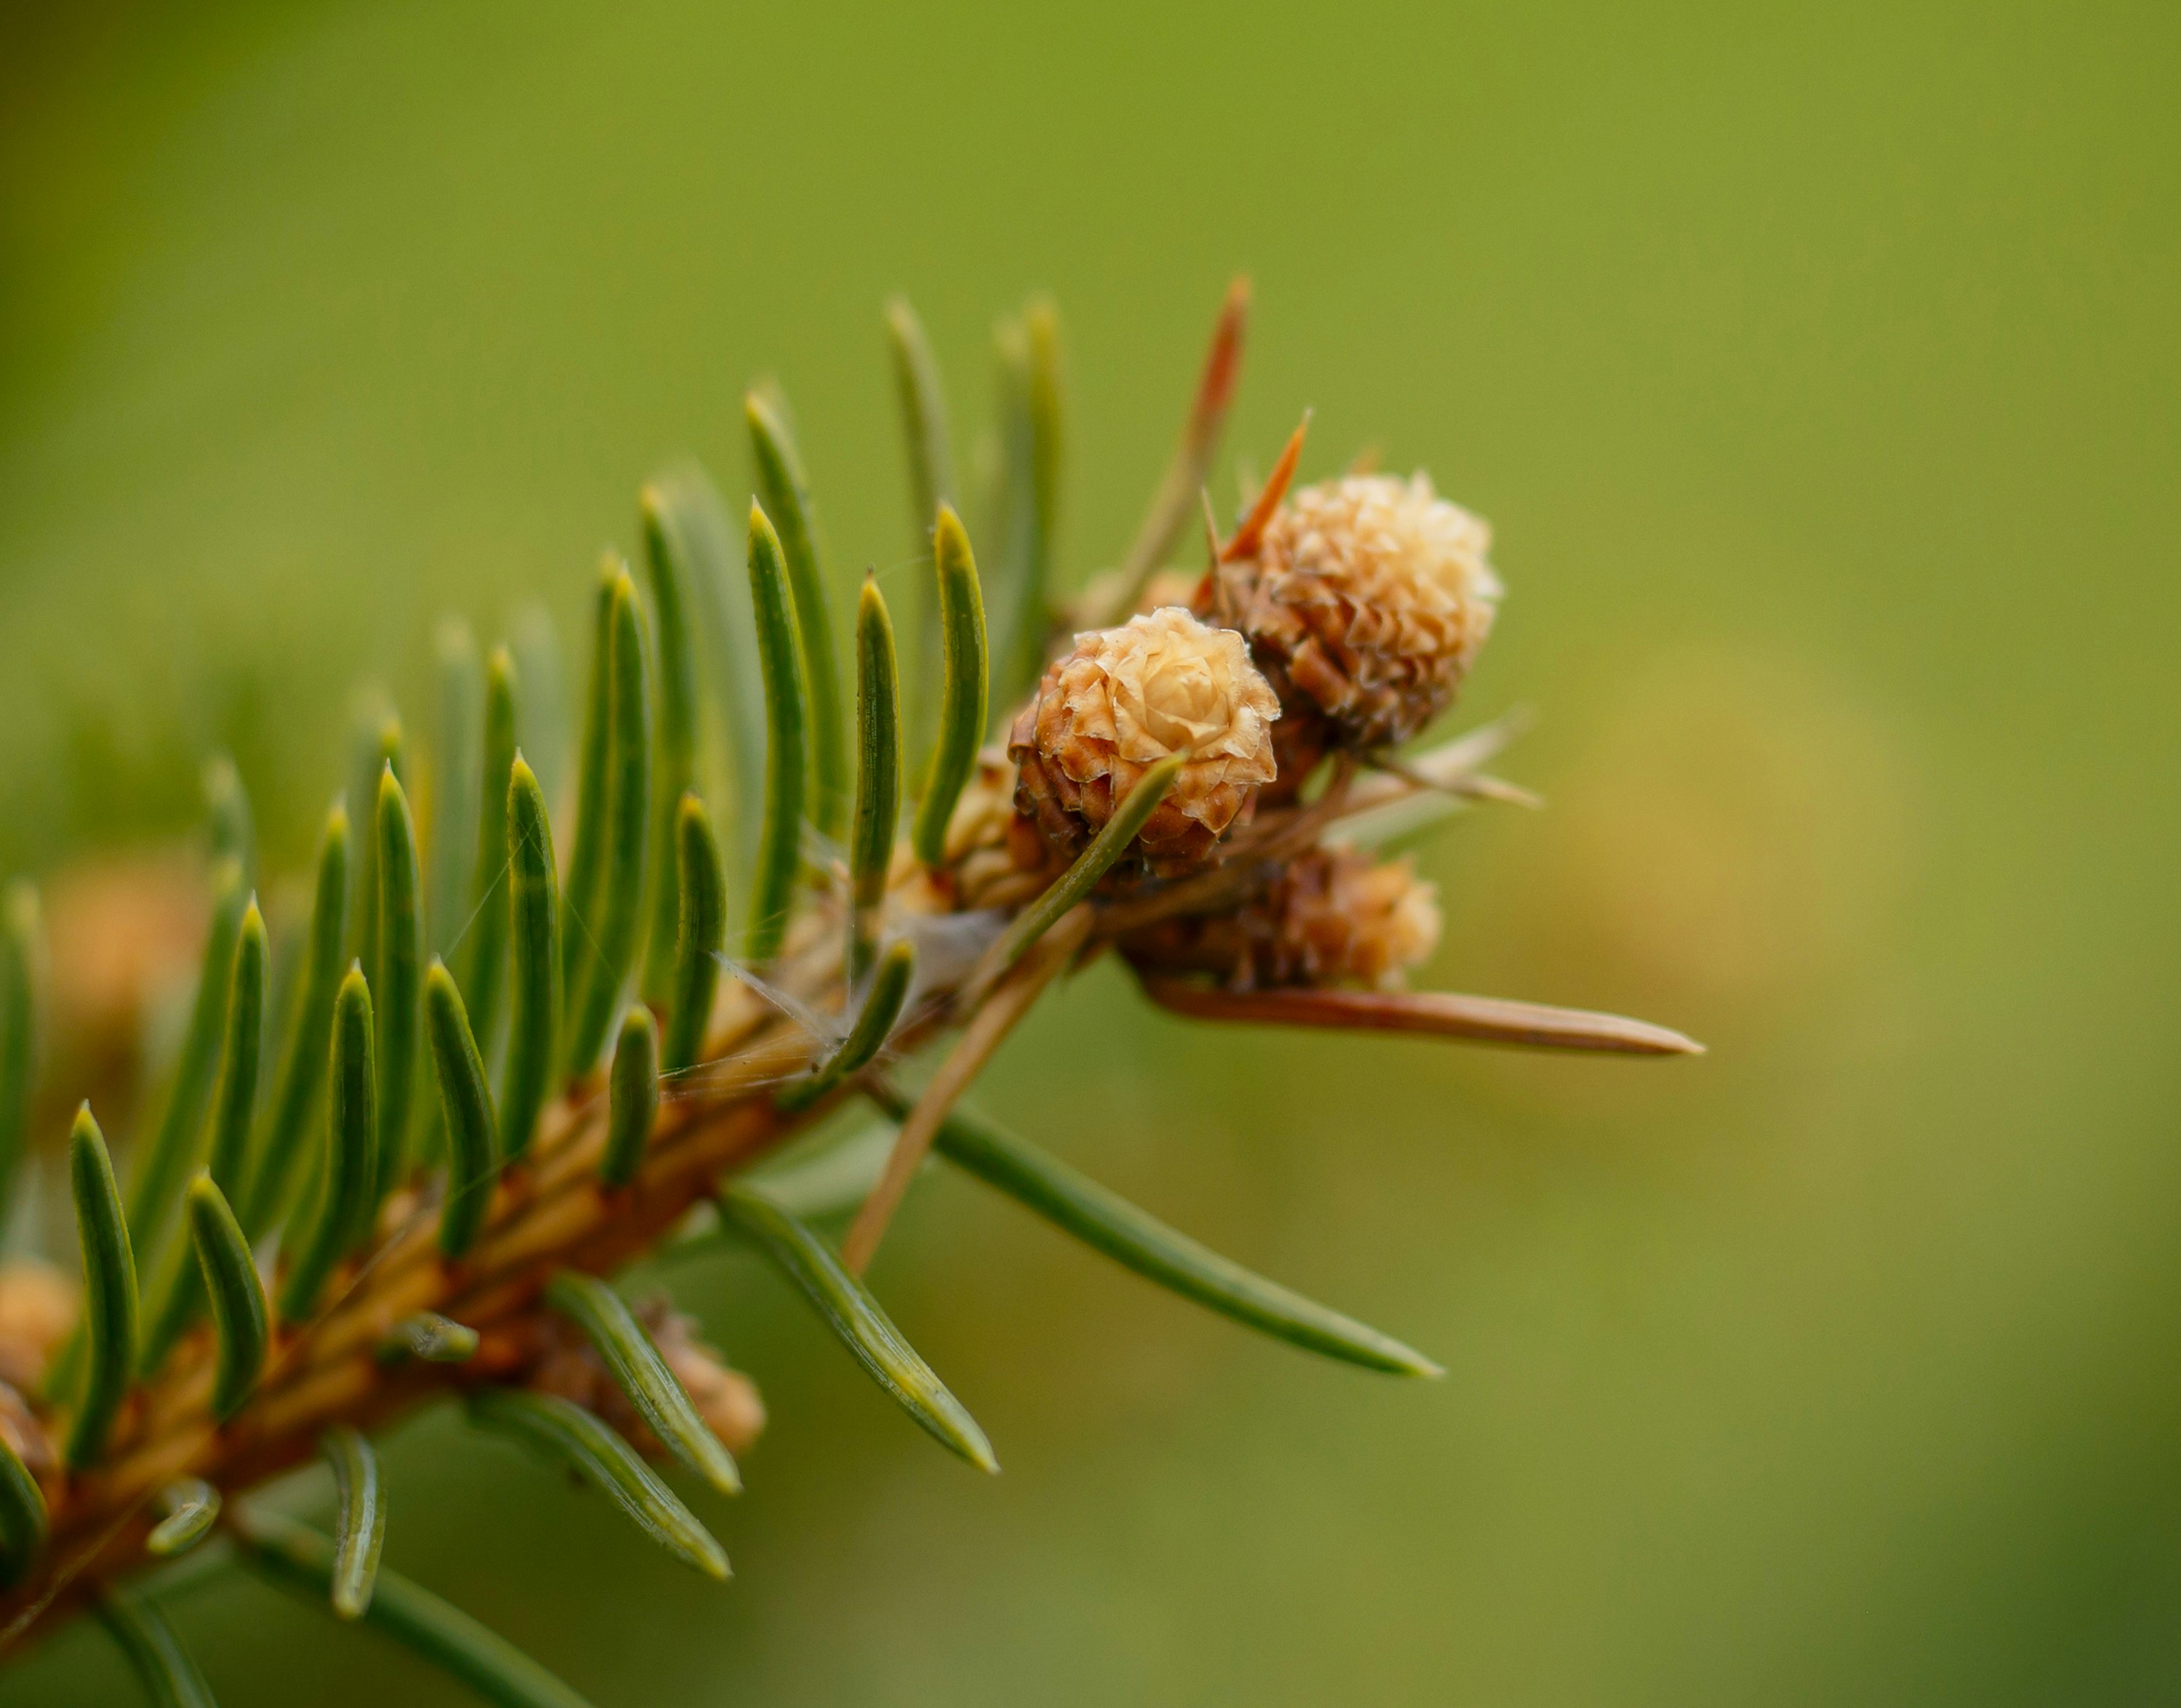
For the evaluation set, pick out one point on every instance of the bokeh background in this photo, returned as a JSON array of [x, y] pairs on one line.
[[1818, 369]]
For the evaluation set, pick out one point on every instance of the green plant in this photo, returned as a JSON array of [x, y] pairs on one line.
[[445, 1158]]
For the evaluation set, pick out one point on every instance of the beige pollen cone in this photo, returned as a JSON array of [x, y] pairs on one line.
[[1365, 604], [1126, 698]]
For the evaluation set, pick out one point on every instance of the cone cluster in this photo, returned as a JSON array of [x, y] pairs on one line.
[[1350, 623]]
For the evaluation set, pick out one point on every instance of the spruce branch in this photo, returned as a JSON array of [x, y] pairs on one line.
[[1196, 785]]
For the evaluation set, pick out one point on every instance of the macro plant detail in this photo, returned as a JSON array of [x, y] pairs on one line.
[[495, 1078]]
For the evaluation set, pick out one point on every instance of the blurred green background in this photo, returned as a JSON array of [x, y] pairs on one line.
[[1819, 371]]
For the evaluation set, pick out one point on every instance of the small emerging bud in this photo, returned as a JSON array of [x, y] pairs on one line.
[[1365, 604], [995, 857], [725, 1399], [1126, 698], [1332, 916]]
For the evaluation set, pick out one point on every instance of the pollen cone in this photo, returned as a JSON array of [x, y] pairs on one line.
[[1332, 916], [1365, 604], [1122, 701]]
